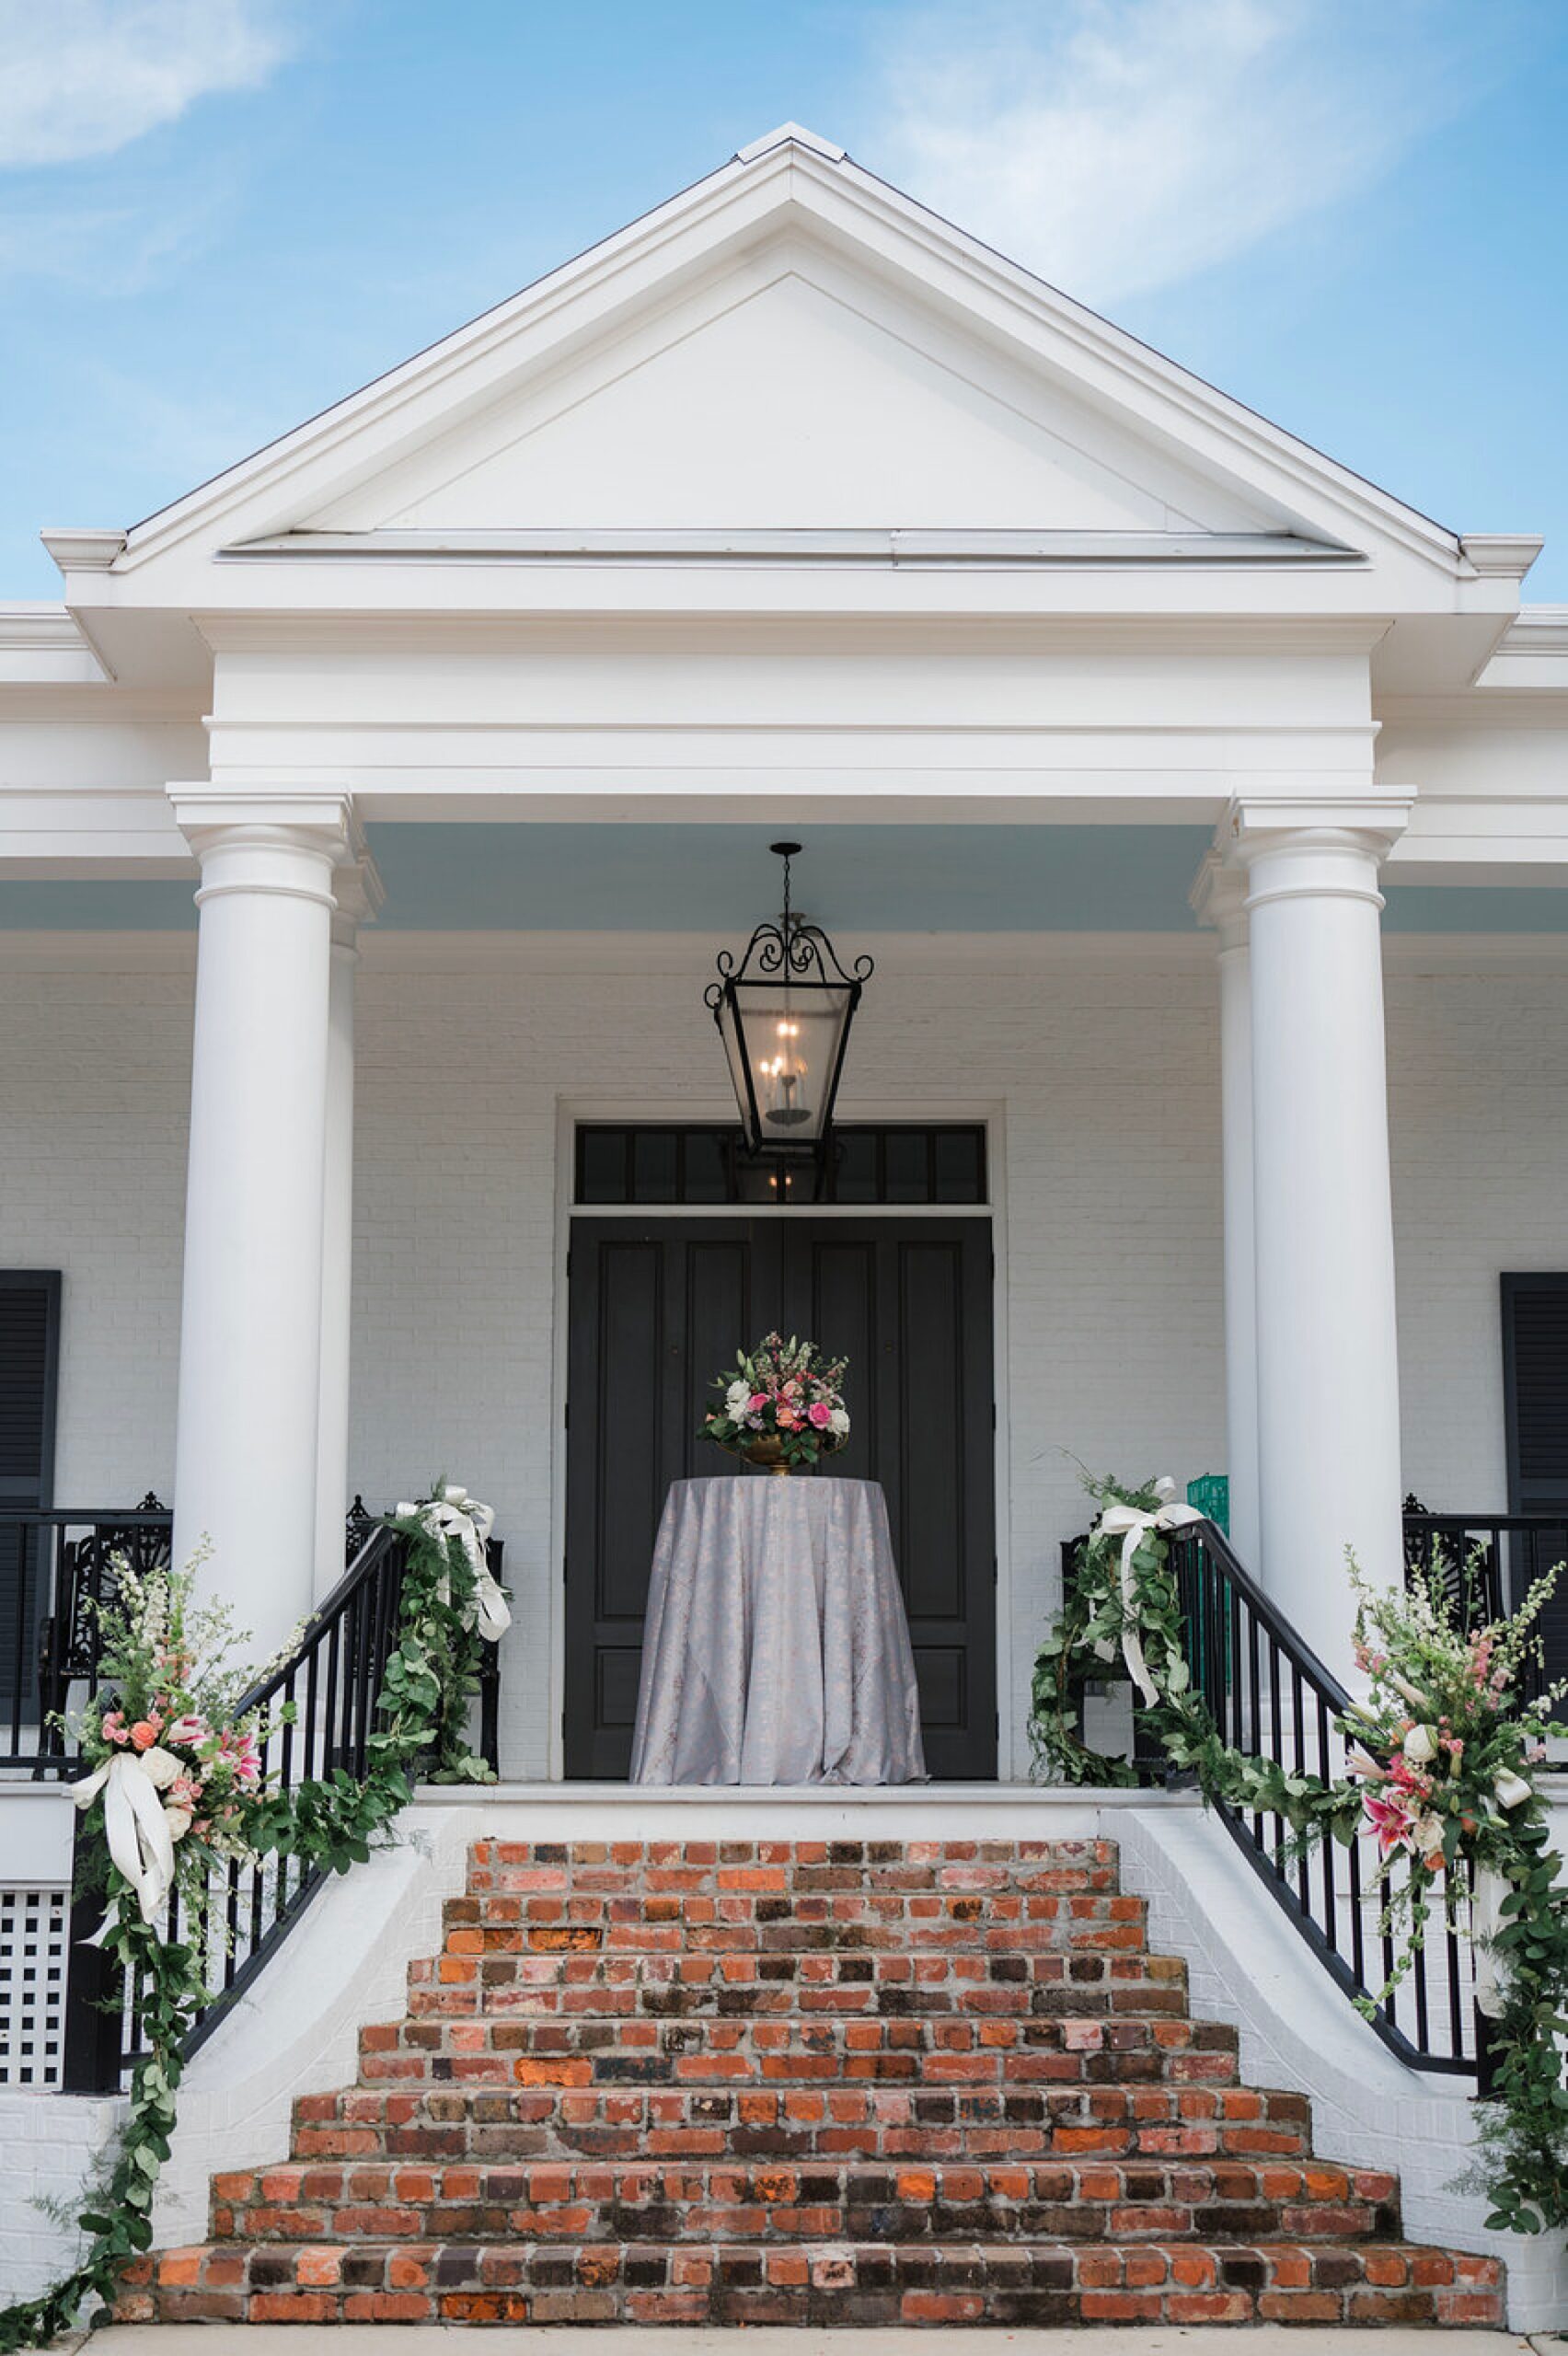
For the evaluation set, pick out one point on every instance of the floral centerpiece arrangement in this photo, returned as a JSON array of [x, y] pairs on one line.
[[783, 1405], [180, 1772]]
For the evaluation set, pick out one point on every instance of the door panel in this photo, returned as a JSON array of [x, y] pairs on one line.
[[656, 1308], [909, 1303]]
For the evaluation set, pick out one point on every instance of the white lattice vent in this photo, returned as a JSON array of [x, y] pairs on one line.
[[33, 1986]]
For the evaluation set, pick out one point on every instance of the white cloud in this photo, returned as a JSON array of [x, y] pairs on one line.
[[80, 78], [1117, 145]]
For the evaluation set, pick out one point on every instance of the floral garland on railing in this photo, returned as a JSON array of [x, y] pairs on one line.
[[182, 1786], [1441, 1758]]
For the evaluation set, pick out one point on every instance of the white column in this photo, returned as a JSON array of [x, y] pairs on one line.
[[250, 1315], [1328, 1367], [1218, 897], [358, 895]]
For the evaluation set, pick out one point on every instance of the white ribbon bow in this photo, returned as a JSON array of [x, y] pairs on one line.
[[455, 1514], [1128, 1523], [139, 1839], [1486, 1921]]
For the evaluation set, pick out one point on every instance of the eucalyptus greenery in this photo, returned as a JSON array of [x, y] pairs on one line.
[[332, 1823], [1523, 2126]]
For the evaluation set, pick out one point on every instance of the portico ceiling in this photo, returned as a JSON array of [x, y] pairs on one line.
[[719, 879]]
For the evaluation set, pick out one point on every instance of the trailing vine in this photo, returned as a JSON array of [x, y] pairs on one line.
[[333, 1822], [1440, 1754]]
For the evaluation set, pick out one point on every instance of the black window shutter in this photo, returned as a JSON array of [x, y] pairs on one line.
[[30, 1355], [1535, 1374]]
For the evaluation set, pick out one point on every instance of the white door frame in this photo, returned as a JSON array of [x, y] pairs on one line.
[[687, 1112]]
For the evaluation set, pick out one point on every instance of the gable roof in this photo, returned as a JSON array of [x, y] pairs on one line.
[[793, 186]]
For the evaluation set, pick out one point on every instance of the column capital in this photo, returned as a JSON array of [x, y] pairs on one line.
[[1218, 899], [1328, 848], [1370, 820], [265, 842]]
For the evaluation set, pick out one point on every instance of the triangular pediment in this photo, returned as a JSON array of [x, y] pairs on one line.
[[790, 346], [797, 395]]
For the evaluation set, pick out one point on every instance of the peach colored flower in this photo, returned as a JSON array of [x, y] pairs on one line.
[[144, 1733]]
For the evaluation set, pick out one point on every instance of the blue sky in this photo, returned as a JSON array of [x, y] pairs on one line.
[[218, 215]]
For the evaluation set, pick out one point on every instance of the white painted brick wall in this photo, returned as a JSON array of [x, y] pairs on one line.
[[1108, 1072]]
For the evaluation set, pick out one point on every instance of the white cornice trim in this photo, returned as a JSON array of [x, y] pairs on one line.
[[1502, 556], [84, 551]]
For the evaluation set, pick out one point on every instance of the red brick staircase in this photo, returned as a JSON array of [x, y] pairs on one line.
[[835, 2082]]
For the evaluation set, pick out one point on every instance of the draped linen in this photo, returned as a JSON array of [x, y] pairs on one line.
[[776, 1648]]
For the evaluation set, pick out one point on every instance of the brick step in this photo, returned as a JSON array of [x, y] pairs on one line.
[[965, 1927], [678, 1869], [818, 2283], [669, 1984], [906, 2123], [317, 2202], [602, 2053]]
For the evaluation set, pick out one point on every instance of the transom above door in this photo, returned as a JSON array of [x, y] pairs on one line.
[[658, 1304]]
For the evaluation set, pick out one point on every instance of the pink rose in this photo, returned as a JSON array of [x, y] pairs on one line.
[[758, 1400], [114, 1727], [821, 1416]]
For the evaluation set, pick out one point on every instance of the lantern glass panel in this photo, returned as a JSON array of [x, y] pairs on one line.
[[794, 1037]]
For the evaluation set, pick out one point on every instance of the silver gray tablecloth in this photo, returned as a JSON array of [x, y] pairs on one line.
[[776, 1649]]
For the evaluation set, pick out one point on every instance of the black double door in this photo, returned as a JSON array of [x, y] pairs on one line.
[[657, 1306]]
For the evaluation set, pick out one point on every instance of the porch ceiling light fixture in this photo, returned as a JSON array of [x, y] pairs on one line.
[[784, 1013]]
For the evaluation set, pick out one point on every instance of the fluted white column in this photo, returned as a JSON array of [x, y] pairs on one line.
[[251, 1313], [1218, 897], [357, 892], [1328, 1364]]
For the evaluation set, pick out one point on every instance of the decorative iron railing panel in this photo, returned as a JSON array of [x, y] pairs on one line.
[[1489, 1562], [61, 1562]]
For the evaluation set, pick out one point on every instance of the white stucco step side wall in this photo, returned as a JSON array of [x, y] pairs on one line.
[[1247, 1966]]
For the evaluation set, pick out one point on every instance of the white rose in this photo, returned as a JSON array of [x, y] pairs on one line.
[[178, 1821], [839, 1423], [737, 1400], [1419, 1745], [162, 1766]]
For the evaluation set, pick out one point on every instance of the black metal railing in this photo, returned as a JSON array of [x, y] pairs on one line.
[[1270, 1697], [318, 1712], [1489, 1562], [58, 1565]]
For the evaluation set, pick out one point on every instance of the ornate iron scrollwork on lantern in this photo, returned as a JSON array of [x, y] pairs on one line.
[[784, 1011]]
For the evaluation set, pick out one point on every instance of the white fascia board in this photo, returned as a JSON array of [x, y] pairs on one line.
[[1532, 654], [41, 645], [788, 185], [88, 832]]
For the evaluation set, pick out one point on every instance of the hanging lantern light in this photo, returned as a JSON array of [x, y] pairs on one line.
[[784, 1014]]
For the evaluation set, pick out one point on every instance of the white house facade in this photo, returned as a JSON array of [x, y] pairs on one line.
[[369, 823]]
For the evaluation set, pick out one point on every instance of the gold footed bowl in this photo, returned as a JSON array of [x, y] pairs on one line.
[[766, 1452]]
